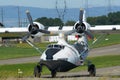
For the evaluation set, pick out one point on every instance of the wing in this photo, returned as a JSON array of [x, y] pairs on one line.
[[13, 32], [106, 29]]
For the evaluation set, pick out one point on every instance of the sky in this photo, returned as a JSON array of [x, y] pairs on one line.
[[51, 3]]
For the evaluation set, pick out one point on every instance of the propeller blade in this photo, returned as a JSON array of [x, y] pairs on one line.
[[26, 37], [90, 35], [44, 31], [29, 18], [70, 32], [81, 16]]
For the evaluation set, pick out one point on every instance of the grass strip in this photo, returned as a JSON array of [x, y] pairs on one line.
[[27, 69]]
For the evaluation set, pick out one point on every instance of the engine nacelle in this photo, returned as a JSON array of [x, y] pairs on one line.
[[81, 28], [35, 32]]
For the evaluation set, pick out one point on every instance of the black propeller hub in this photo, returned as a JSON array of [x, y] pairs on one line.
[[33, 29], [80, 28]]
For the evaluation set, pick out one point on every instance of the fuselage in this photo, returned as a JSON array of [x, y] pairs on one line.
[[63, 56]]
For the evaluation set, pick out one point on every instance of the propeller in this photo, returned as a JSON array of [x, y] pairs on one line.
[[82, 26], [34, 29], [33, 26]]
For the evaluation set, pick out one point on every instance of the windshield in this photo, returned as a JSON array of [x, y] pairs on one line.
[[56, 46], [52, 50]]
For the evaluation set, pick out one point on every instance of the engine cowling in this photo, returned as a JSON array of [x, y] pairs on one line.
[[81, 28], [34, 30]]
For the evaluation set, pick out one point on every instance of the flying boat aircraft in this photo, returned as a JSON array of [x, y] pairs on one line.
[[62, 56]]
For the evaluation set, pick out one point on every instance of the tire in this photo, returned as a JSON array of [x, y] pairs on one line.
[[53, 73], [92, 70], [37, 71]]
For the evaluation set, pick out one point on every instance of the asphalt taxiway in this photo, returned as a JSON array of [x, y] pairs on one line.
[[109, 73], [109, 50]]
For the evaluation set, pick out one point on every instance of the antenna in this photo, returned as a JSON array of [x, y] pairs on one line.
[[109, 6], [18, 16], [86, 6], [61, 13], [2, 15]]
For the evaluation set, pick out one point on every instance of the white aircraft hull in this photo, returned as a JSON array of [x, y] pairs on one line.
[[65, 59]]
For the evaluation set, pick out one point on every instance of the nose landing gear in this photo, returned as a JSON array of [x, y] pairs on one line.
[[92, 70]]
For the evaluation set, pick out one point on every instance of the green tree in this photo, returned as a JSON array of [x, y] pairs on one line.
[[101, 20], [110, 19], [70, 23], [92, 20], [58, 22], [42, 20], [114, 18], [50, 21]]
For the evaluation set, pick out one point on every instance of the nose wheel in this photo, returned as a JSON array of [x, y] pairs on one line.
[[92, 70]]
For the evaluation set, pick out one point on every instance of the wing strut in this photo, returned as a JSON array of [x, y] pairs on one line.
[[99, 39], [34, 46]]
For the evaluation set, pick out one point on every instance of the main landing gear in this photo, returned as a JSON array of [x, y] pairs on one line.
[[53, 73], [38, 70], [91, 69]]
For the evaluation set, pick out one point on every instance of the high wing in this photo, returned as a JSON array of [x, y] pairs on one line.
[[15, 29], [37, 29], [13, 32], [106, 29]]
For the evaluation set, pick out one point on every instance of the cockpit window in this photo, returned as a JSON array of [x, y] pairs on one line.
[[56, 46], [52, 50], [49, 46]]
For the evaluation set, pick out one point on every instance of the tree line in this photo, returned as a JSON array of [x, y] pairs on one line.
[[110, 19], [53, 22]]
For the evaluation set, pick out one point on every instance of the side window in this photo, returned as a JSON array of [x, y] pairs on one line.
[[50, 46], [56, 46]]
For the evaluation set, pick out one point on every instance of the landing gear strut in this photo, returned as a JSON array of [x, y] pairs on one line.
[[53, 73], [92, 70], [37, 71]]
